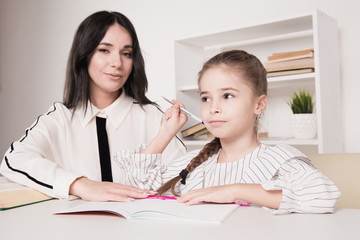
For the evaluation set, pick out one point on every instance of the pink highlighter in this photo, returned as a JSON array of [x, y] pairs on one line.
[[238, 202]]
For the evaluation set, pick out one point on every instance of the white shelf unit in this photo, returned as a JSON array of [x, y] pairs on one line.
[[310, 30]]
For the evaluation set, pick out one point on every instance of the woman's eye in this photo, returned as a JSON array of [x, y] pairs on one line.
[[128, 54], [103, 50]]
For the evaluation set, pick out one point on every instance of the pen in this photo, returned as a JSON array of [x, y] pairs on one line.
[[185, 111], [237, 202], [162, 197]]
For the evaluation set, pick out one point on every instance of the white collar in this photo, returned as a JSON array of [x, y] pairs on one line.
[[115, 113]]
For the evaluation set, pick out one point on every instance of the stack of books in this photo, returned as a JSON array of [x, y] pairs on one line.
[[196, 131], [288, 63]]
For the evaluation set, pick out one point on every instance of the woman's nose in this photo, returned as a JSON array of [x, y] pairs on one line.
[[116, 61]]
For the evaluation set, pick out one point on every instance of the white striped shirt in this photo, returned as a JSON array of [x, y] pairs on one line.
[[304, 188]]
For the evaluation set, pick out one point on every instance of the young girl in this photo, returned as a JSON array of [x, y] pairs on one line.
[[67, 150], [235, 165]]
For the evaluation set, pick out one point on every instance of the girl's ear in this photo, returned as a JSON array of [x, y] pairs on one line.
[[261, 103]]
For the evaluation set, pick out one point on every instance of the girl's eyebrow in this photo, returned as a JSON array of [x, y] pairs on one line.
[[222, 89], [229, 88]]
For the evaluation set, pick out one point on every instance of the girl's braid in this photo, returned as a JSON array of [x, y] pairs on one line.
[[208, 150]]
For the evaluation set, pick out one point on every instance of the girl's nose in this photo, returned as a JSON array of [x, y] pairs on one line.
[[215, 108]]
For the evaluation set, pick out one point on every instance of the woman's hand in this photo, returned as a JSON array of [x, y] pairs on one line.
[[90, 190]]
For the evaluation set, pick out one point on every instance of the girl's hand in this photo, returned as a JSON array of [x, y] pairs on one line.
[[253, 193], [174, 120], [217, 194], [90, 190]]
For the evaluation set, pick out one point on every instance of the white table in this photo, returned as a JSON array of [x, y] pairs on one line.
[[37, 222]]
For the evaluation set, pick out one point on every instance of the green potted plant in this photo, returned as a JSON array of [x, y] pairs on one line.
[[303, 119]]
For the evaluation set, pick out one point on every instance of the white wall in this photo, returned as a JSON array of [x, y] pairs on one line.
[[35, 38]]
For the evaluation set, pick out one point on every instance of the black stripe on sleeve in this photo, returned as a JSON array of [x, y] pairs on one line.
[[12, 149], [27, 175]]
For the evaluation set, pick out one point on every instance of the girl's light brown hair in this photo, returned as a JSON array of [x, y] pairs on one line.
[[253, 73]]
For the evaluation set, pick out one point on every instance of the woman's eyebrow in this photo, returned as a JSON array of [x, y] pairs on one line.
[[111, 45], [106, 44]]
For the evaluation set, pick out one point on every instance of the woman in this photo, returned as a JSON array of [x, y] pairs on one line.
[[104, 100]]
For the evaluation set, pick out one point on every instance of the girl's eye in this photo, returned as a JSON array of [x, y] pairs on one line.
[[204, 99], [228, 96]]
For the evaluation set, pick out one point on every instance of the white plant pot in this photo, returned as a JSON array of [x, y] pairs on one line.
[[303, 125]]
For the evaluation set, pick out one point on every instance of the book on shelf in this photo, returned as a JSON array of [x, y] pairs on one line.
[[200, 133], [290, 72], [192, 130], [15, 195], [210, 135], [285, 56], [289, 65], [157, 209], [262, 135]]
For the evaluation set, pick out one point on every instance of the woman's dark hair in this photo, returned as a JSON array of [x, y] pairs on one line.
[[253, 73], [87, 37]]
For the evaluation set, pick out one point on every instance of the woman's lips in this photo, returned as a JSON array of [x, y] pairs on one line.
[[114, 76]]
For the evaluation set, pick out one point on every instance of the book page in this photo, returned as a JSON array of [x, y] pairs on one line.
[[16, 195], [157, 209]]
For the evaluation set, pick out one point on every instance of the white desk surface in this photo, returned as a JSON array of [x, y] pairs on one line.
[[38, 222]]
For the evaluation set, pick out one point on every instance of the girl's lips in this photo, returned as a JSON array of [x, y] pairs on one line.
[[216, 122]]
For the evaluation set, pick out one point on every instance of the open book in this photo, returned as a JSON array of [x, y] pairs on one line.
[[157, 209], [15, 195]]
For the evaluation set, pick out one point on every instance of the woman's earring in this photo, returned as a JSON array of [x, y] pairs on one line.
[[258, 116]]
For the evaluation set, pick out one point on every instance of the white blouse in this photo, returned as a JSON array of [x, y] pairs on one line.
[[304, 188], [61, 147]]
